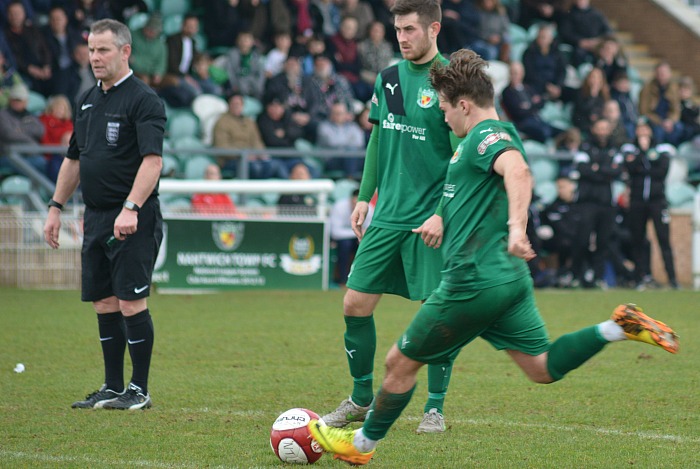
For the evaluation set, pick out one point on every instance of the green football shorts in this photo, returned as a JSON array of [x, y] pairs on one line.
[[505, 316], [396, 262]]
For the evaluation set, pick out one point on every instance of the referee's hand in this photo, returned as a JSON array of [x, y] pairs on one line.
[[52, 227], [126, 224]]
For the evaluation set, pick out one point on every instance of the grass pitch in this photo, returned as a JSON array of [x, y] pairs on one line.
[[225, 365]]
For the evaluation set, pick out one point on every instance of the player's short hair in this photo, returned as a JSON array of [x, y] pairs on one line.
[[428, 11], [463, 77], [122, 35]]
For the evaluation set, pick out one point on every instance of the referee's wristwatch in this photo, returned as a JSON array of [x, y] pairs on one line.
[[53, 203], [129, 205]]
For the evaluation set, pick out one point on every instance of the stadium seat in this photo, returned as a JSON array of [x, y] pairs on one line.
[[677, 171], [36, 103], [188, 143], [544, 170], [174, 7], [251, 107], [689, 151], [15, 188], [137, 21], [343, 189], [546, 191], [517, 50], [499, 74], [535, 149], [183, 124], [518, 34], [680, 195], [172, 24], [206, 105], [208, 125], [171, 166], [196, 165], [557, 114]]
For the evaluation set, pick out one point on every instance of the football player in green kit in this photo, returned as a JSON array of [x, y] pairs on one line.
[[406, 162], [486, 290]]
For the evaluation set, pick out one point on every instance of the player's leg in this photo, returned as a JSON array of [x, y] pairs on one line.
[[97, 288], [132, 270], [422, 265], [376, 270]]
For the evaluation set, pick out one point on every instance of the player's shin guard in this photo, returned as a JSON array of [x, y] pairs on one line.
[[386, 408], [360, 347], [571, 350]]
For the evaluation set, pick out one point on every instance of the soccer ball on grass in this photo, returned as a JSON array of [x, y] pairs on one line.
[[290, 438]]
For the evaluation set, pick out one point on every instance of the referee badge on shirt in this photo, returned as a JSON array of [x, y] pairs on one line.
[[112, 132]]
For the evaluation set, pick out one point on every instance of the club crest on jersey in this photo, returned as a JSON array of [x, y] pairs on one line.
[[490, 140], [374, 100], [455, 157], [426, 97], [112, 132], [227, 236]]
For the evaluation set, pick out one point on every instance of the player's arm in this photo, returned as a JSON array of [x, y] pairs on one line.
[[66, 183], [518, 183], [144, 184], [367, 186]]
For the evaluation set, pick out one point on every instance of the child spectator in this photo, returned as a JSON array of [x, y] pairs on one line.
[[57, 121]]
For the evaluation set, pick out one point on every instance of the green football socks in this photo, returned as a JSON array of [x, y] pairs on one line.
[[360, 346], [571, 350], [386, 408]]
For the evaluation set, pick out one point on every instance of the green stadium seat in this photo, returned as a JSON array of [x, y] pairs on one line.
[[544, 170], [188, 143], [14, 189], [518, 34], [137, 21], [546, 191], [343, 189], [196, 165], [171, 166], [680, 195], [534, 149], [183, 124], [172, 24], [36, 103], [174, 7], [251, 107]]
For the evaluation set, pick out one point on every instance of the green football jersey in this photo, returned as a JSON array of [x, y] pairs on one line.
[[414, 146], [475, 211]]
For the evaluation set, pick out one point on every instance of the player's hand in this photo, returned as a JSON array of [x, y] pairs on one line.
[[125, 224], [431, 231], [519, 245], [52, 228], [359, 214]]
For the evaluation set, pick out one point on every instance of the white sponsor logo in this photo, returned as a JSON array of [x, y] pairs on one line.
[[350, 352], [85, 106], [104, 339], [132, 342], [486, 130], [139, 290], [391, 87]]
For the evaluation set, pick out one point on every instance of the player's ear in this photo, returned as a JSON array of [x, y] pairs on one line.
[[465, 106], [434, 29]]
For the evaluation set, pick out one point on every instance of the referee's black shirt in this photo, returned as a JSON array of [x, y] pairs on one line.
[[113, 131]]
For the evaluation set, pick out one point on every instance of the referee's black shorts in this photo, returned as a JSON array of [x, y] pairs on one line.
[[125, 269]]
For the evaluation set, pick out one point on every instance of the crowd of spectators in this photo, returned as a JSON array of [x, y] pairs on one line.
[[310, 67]]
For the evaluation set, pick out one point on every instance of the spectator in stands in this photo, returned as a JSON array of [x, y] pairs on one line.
[[545, 66], [362, 120], [383, 14], [296, 91], [316, 45], [562, 219], [149, 54], [611, 113], [620, 92], [298, 204], [328, 88], [533, 11], [122, 10], [57, 120], [460, 25], [362, 12], [61, 40], [28, 8], [18, 125], [278, 129], [326, 17], [221, 18], [213, 203], [590, 99], [202, 77], [179, 88], [32, 55], [610, 58], [275, 58], [647, 165], [375, 53], [660, 104], [82, 13], [690, 110], [234, 130], [6, 51], [598, 165], [302, 24], [569, 143], [245, 67], [584, 28], [341, 132], [8, 78], [522, 104], [493, 42], [347, 59], [342, 235]]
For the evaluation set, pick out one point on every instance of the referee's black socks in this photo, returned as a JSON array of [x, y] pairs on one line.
[[113, 342], [139, 332]]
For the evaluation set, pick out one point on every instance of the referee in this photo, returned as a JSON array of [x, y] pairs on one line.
[[115, 155]]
